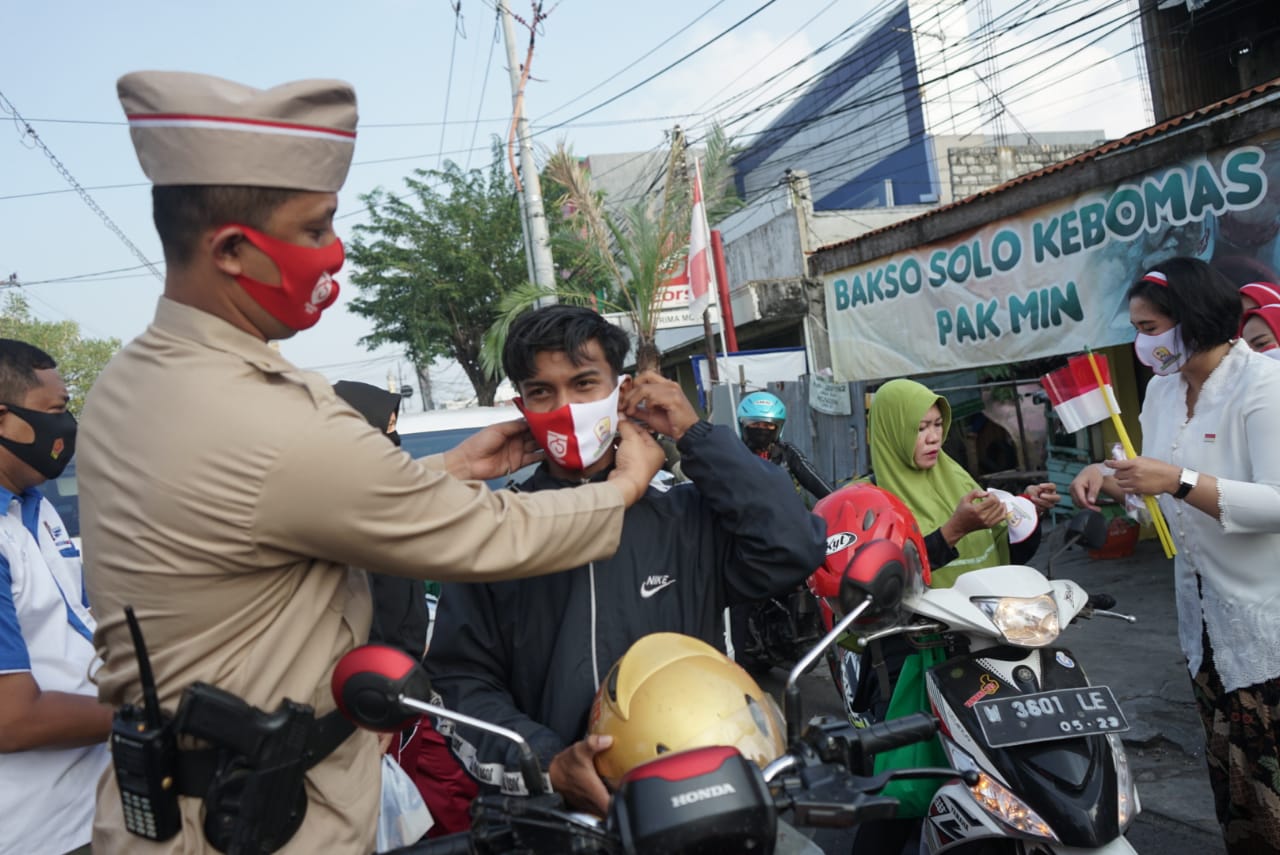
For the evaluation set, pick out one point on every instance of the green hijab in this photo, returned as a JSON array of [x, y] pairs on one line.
[[932, 494]]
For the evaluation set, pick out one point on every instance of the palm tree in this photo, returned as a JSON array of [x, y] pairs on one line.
[[617, 260]]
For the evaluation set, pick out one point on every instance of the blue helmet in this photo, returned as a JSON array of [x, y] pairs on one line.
[[761, 407]]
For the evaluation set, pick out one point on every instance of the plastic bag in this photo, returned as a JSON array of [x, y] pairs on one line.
[[1134, 505], [910, 695], [404, 818]]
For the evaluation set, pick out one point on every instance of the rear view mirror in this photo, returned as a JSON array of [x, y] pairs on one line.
[[369, 681], [1088, 528], [878, 570]]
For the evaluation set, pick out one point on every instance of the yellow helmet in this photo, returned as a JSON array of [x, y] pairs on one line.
[[671, 692]]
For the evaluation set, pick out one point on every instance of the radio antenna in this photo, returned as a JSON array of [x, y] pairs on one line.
[[150, 700]]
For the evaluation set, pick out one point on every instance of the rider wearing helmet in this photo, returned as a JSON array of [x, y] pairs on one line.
[[671, 692], [761, 417], [761, 632]]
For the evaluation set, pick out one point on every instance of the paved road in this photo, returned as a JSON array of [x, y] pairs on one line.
[[1143, 666]]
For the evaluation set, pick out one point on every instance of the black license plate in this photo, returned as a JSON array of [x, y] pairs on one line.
[[1060, 714]]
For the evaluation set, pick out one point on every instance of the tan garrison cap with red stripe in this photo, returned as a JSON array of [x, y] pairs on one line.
[[196, 129]]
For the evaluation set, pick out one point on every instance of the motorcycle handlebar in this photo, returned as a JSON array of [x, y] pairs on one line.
[[823, 795], [895, 733]]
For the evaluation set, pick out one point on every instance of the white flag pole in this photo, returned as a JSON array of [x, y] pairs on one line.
[[715, 292]]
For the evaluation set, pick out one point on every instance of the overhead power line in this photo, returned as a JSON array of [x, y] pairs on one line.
[[888, 91], [7, 106], [679, 32], [664, 69], [1028, 8], [73, 190], [864, 156], [98, 275], [758, 61], [804, 88], [484, 87], [1025, 12], [448, 86]]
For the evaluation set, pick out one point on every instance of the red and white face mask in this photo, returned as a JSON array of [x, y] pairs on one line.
[[306, 284], [576, 436]]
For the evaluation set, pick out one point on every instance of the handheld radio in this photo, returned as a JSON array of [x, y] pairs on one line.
[[144, 753]]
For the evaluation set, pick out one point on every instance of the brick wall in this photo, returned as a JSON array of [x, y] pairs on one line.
[[981, 167]]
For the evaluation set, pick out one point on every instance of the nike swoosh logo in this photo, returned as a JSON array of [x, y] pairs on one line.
[[647, 592]]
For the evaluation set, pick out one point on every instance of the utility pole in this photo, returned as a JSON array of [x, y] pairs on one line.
[[424, 386], [539, 240], [678, 183], [677, 169]]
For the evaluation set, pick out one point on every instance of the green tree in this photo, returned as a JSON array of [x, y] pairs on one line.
[[433, 265], [80, 360], [617, 259]]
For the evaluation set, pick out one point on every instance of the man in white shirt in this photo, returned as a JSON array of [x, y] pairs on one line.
[[53, 731]]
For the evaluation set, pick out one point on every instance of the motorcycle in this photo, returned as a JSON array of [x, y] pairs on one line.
[[704, 800], [1021, 713], [775, 632]]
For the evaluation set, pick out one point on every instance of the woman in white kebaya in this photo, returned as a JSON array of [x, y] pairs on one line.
[[1210, 423]]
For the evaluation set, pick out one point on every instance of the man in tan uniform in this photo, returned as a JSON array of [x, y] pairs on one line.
[[225, 492]]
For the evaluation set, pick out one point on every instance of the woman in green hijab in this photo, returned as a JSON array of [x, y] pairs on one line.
[[966, 531], [966, 526]]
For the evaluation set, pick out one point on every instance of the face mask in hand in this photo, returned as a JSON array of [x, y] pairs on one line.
[[576, 435], [1163, 353], [54, 443]]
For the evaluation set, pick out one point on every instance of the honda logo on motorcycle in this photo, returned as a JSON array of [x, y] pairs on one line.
[[701, 794], [839, 541]]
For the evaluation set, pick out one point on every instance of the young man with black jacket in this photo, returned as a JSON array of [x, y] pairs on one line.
[[530, 655]]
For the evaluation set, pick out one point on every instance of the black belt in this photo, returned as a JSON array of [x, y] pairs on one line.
[[196, 767]]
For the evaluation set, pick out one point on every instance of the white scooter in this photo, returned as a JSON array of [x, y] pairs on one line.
[[1053, 775]]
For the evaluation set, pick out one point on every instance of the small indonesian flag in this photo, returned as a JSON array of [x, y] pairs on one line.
[[702, 276], [1075, 394]]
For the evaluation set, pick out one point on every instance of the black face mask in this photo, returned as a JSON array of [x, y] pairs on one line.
[[394, 436], [759, 439], [55, 442]]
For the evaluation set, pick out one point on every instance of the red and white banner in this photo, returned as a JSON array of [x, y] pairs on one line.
[[702, 274], [1075, 394]]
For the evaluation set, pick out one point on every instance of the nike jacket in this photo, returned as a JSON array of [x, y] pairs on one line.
[[529, 654]]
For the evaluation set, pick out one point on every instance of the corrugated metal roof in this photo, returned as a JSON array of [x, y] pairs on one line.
[[1226, 104]]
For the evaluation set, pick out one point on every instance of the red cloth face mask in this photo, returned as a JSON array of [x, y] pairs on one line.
[[576, 435], [306, 284]]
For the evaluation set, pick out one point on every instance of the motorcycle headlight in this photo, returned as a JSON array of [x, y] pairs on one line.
[[996, 800], [1126, 792], [1024, 621]]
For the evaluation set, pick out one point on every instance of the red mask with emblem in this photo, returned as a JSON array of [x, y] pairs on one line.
[[306, 284], [576, 435]]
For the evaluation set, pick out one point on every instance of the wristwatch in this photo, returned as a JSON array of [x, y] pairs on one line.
[[1186, 483]]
